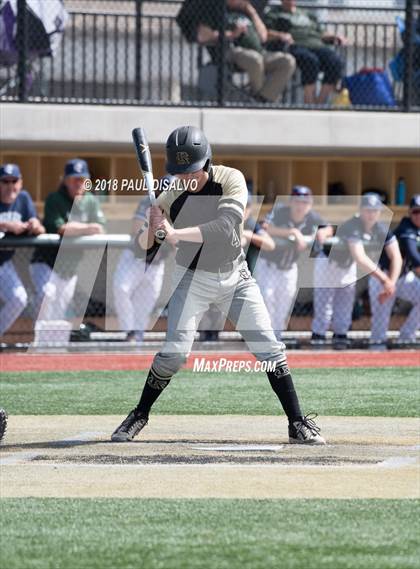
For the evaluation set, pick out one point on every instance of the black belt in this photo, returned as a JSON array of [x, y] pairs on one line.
[[225, 268], [230, 265]]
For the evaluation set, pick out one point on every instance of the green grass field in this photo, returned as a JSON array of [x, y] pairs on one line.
[[204, 534], [388, 392], [211, 534]]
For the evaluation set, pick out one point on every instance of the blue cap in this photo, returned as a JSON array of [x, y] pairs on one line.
[[415, 201], [10, 171], [302, 193], [76, 168], [371, 201]]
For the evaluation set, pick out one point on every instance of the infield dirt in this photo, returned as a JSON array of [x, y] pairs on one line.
[[210, 456]]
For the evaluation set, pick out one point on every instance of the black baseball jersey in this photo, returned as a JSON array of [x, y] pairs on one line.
[[353, 230], [218, 209], [284, 256], [408, 236]]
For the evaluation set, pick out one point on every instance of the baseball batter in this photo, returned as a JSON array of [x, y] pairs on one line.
[[205, 219], [333, 305], [17, 217], [407, 286]]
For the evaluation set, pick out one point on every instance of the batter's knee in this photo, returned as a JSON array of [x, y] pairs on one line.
[[273, 351], [165, 365]]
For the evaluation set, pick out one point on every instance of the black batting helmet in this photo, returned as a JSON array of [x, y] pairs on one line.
[[187, 150]]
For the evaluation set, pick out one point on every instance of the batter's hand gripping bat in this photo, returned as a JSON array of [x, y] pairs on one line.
[[145, 163]]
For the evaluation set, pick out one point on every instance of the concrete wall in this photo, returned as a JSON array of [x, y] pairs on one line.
[[95, 128]]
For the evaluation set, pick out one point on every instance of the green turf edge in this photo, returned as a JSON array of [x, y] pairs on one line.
[[387, 392], [209, 534]]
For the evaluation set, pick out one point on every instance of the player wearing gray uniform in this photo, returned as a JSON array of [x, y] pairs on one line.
[[17, 217], [407, 286], [335, 288], [136, 284], [205, 221], [277, 271]]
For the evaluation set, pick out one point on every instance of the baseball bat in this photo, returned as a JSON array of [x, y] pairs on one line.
[[144, 159]]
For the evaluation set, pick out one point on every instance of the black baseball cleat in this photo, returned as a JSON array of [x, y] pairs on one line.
[[3, 423], [305, 431], [340, 342], [130, 427], [318, 341]]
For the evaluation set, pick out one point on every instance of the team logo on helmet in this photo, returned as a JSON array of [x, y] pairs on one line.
[[182, 158]]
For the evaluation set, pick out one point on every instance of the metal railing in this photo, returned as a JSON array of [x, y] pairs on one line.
[[94, 297], [133, 52]]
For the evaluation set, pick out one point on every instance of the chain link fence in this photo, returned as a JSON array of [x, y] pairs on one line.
[[344, 54]]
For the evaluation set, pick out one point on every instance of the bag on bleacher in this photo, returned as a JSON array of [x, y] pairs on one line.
[[370, 87]]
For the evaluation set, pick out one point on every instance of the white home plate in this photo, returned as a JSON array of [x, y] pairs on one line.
[[239, 448]]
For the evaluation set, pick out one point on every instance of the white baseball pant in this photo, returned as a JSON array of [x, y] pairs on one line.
[[136, 291], [53, 292], [13, 294], [279, 289], [237, 296], [407, 288], [334, 296]]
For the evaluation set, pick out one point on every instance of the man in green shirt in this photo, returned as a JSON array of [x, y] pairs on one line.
[[301, 33], [73, 212], [269, 72]]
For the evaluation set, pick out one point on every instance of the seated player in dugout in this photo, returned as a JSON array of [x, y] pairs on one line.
[[407, 286], [368, 245], [205, 220], [277, 271], [17, 217], [268, 72]]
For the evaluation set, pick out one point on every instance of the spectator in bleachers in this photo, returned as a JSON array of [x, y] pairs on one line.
[[407, 286], [17, 217], [300, 32], [70, 212], [268, 72]]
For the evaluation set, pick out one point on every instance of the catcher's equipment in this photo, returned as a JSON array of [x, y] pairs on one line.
[[187, 150], [3, 423]]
